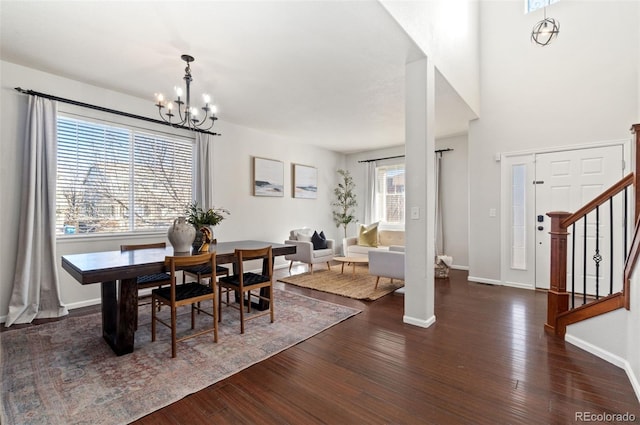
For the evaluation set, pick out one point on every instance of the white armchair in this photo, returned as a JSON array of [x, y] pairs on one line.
[[387, 263], [305, 253]]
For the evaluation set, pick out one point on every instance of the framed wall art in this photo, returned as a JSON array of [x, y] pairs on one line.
[[305, 181], [268, 177]]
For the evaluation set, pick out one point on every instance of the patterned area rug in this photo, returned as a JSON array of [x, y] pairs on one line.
[[65, 373], [359, 286]]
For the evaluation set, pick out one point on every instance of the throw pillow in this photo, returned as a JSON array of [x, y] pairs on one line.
[[368, 235], [319, 241], [303, 236]]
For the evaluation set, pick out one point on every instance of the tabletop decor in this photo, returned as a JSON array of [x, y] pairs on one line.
[[181, 235], [199, 218]]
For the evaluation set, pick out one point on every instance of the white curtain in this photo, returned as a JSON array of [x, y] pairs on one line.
[[439, 248], [203, 178], [36, 292], [370, 195]]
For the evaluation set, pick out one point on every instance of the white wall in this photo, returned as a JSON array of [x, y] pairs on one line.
[[447, 31], [251, 217], [578, 90]]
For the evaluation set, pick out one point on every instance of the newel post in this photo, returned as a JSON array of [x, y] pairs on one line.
[[557, 297], [635, 130]]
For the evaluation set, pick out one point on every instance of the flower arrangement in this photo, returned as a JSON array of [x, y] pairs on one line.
[[198, 217]]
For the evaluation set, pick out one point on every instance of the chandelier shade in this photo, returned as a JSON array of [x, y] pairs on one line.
[[180, 112]]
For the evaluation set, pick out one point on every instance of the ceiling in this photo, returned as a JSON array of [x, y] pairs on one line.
[[325, 73]]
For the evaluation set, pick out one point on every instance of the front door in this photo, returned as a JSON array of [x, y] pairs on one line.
[[537, 183], [566, 181]]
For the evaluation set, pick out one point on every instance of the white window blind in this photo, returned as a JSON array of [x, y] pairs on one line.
[[116, 179], [389, 202]]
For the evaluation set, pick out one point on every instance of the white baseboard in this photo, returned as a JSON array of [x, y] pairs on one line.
[[85, 303], [595, 350], [483, 280], [71, 306], [457, 267], [419, 322], [614, 359], [633, 378], [498, 282]]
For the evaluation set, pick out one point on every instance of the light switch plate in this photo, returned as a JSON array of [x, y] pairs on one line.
[[415, 213]]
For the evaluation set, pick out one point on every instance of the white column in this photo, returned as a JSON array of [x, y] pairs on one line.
[[420, 193]]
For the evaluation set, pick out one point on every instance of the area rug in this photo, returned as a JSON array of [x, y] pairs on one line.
[[359, 286], [65, 373]]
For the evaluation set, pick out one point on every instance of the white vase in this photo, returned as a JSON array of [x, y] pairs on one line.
[[181, 235]]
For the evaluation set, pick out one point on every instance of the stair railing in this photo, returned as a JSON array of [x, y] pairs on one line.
[[562, 308]]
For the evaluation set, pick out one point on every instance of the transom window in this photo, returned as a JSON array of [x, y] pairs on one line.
[[389, 194], [118, 179], [531, 5]]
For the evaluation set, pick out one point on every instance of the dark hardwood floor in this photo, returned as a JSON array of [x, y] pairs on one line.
[[486, 360]]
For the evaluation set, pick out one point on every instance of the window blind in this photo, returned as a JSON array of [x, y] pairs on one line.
[[116, 179]]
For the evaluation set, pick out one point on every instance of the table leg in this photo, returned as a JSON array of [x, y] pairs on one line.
[[342, 269], [119, 315]]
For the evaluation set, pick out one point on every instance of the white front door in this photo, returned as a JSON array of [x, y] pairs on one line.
[[537, 183], [566, 181]]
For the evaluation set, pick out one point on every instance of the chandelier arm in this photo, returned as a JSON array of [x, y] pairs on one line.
[[212, 119], [182, 119]]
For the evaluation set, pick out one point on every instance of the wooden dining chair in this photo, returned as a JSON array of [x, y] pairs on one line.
[[203, 272], [245, 282], [155, 280], [193, 293]]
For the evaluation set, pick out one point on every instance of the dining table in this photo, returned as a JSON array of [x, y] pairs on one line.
[[117, 274]]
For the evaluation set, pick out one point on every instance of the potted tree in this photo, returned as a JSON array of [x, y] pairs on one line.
[[345, 201]]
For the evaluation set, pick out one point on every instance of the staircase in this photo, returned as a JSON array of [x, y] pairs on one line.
[[568, 305]]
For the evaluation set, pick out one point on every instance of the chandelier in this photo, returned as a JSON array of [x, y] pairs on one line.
[[187, 115], [545, 31]]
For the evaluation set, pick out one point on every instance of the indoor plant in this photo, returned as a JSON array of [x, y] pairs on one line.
[[199, 217], [345, 201]]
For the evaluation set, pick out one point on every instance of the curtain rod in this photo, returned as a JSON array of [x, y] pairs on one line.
[[111, 111], [400, 156]]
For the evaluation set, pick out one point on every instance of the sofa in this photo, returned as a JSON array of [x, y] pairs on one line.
[[387, 263], [385, 239], [306, 252]]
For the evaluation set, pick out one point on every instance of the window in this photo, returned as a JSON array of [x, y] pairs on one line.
[[518, 217], [531, 5], [116, 179], [389, 194]]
